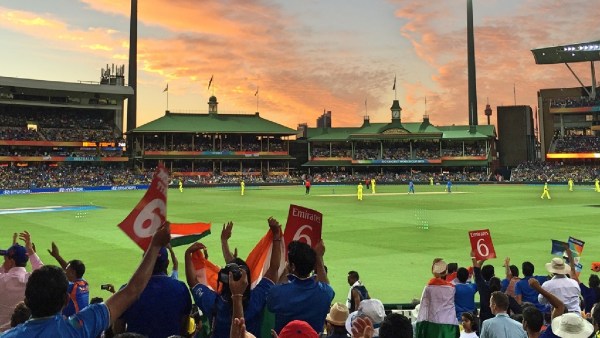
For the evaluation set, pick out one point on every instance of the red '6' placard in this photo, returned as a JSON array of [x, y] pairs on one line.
[[481, 244]]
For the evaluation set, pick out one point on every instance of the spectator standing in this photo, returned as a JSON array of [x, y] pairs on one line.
[[512, 278], [437, 314], [501, 326], [524, 292], [305, 297], [396, 325], [464, 299], [483, 275], [14, 276], [47, 288], [563, 287], [162, 309], [79, 293], [357, 291]]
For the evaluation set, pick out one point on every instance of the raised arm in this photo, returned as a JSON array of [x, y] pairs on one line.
[[558, 307], [273, 271], [36, 263], [56, 254], [120, 301], [573, 273], [320, 264], [174, 260], [190, 272], [225, 236], [507, 268]]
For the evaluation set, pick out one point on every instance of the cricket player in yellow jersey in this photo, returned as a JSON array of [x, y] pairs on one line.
[[570, 182], [242, 187], [372, 185], [180, 185], [359, 192], [597, 185], [546, 191]]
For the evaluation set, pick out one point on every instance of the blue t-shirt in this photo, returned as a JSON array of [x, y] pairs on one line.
[[464, 298], [528, 294], [589, 297], [160, 309], [302, 299], [82, 296], [89, 322], [211, 303]]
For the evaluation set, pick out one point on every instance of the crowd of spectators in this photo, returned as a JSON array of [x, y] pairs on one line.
[[574, 102], [57, 126], [62, 152], [203, 144], [576, 144], [536, 171], [396, 151]]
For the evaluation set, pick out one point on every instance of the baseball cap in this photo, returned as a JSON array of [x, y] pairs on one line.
[[16, 252], [298, 328]]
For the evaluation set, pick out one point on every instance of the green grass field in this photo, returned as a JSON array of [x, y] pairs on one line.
[[378, 237]]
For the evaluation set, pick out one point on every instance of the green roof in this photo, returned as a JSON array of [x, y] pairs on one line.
[[214, 123], [414, 129], [462, 132]]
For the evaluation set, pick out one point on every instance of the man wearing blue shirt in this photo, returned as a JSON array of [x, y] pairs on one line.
[[305, 297], [78, 290], [524, 292], [46, 295]]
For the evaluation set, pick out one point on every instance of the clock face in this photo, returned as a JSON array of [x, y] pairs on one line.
[[395, 114]]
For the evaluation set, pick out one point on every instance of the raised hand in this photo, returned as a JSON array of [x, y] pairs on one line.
[[26, 237], [227, 230], [162, 237], [195, 247], [362, 327], [54, 251], [320, 248], [534, 283], [274, 226]]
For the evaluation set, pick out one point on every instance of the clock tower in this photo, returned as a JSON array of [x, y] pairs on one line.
[[396, 111]]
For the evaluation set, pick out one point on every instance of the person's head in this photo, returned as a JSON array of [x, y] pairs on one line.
[[20, 315], [495, 284], [46, 291], [439, 268], [462, 274], [487, 272], [452, 267], [572, 325], [162, 262], [533, 319], [528, 269], [15, 256], [396, 325], [498, 302], [514, 271], [596, 316], [558, 266], [594, 281], [353, 277], [372, 308], [469, 322], [75, 270], [336, 319], [235, 265], [298, 328], [301, 259]]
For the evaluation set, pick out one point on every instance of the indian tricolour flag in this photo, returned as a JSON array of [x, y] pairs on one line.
[[186, 233], [437, 315]]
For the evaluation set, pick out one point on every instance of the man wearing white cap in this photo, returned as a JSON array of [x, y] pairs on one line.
[[372, 308], [563, 287], [571, 325]]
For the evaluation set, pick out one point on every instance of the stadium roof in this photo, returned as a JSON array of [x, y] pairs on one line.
[[577, 52], [413, 130], [57, 86], [214, 123]]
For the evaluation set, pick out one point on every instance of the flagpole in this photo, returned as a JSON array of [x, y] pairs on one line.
[[167, 97], [256, 94]]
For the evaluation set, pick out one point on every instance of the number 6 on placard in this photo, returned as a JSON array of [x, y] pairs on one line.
[[299, 235], [480, 246]]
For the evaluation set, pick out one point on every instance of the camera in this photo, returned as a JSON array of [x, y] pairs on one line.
[[105, 287], [236, 272]]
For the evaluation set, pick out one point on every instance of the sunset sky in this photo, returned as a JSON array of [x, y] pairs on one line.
[[303, 55]]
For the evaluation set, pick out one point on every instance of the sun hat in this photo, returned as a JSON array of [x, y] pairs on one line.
[[337, 314], [558, 266], [572, 325], [439, 267], [372, 308]]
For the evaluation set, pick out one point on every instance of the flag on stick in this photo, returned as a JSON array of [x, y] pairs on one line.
[[256, 91], [187, 233], [394, 87], [166, 88], [151, 211], [210, 81]]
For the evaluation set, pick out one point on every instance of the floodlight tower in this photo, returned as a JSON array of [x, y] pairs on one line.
[[471, 66], [132, 101]]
